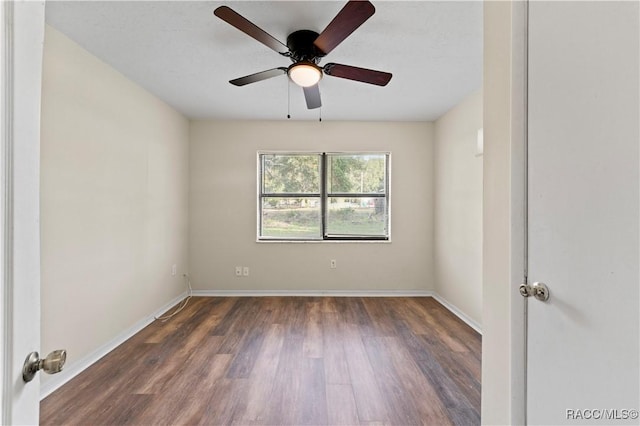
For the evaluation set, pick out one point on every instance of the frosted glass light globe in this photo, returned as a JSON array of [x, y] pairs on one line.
[[305, 75]]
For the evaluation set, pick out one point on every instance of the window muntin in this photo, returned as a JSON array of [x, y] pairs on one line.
[[323, 196]]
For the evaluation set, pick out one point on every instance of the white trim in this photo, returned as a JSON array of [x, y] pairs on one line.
[[312, 293], [518, 210], [77, 367], [22, 33], [6, 206], [457, 312]]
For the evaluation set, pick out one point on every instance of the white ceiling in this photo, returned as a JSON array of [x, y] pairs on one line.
[[182, 53]]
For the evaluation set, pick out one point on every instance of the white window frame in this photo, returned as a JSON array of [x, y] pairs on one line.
[[324, 196]]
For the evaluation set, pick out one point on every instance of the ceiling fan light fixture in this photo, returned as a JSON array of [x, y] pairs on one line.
[[305, 74]]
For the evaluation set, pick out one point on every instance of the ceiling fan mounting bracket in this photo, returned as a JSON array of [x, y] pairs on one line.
[[301, 47]]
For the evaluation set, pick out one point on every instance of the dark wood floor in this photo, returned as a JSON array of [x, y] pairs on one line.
[[284, 361]]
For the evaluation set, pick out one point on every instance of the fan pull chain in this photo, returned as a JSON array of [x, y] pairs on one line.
[[320, 113], [288, 99]]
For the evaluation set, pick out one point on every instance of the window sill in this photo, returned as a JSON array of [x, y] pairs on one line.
[[323, 241]]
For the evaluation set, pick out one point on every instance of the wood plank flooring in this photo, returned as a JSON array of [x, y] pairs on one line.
[[284, 361]]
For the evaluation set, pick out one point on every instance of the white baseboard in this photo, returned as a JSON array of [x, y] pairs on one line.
[[73, 369], [312, 293], [457, 312]]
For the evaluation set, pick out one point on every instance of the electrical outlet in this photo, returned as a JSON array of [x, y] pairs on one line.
[[174, 270], [333, 264], [238, 271], [245, 271]]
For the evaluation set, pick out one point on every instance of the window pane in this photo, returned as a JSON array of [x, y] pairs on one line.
[[291, 174], [357, 216], [356, 173], [291, 217]]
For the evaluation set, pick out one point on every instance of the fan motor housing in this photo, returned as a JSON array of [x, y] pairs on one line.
[[300, 44]]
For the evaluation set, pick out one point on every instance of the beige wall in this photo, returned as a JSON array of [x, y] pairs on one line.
[[222, 209], [113, 201], [458, 208]]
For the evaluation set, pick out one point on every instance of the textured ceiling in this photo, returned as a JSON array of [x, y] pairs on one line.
[[182, 53]]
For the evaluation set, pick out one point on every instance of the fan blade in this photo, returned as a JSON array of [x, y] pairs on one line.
[[352, 15], [364, 75], [243, 24], [312, 96], [259, 76]]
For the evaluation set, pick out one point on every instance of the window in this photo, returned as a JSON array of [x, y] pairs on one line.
[[323, 196]]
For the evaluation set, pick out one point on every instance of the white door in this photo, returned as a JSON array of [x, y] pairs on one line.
[[22, 25], [583, 356]]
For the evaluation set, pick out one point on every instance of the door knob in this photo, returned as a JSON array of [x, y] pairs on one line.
[[538, 290], [52, 364]]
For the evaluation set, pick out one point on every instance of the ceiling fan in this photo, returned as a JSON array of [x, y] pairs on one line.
[[306, 48]]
